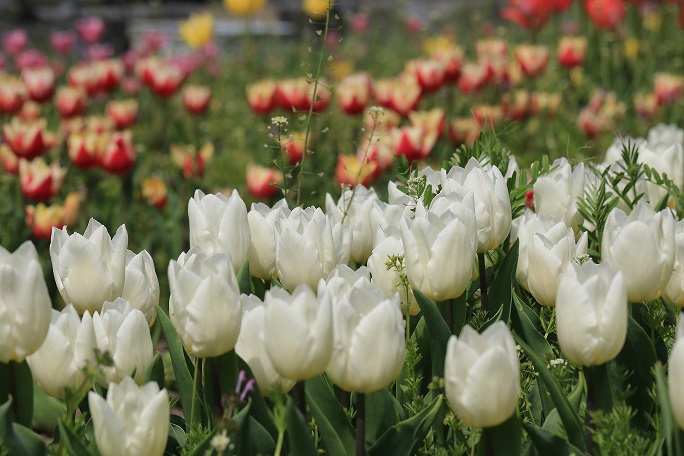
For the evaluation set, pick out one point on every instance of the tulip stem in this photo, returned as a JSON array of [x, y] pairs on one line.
[[360, 424], [197, 381], [301, 399], [591, 406], [484, 299]]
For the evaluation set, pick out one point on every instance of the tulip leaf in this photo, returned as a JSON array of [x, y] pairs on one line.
[[155, 371], [573, 426], [546, 442], [220, 375], [458, 313], [31, 441], [298, 432], [674, 437], [260, 440], [438, 331], [381, 413], [16, 381], [521, 322], [245, 279], [74, 444], [639, 356], [47, 410], [337, 433], [184, 380], [16, 439], [503, 440], [176, 439], [501, 289], [405, 437], [258, 409]]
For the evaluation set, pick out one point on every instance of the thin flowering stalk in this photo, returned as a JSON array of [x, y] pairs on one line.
[[376, 112], [313, 101]]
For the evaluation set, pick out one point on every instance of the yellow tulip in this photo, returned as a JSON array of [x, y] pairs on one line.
[[317, 9], [244, 7], [197, 30]]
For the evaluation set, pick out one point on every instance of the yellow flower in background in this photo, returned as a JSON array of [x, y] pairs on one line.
[[631, 49], [197, 30], [438, 43], [340, 68], [316, 9], [244, 7], [652, 21]]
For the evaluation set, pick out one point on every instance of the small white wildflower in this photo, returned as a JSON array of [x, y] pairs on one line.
[[279, 121], [220, 442]]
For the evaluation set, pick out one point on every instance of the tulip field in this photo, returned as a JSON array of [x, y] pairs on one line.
[[429, 229]]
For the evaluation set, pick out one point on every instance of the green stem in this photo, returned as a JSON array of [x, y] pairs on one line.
[[197, 381], [591, 406], [313, 102], [360, 424], [484, 299], [279, 444]]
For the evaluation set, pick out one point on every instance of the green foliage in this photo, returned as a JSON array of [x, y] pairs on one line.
[[613, 433]]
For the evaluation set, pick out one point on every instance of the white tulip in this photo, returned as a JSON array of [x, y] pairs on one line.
[[524, 228], [642, 246], [89, 269], [548, 258], [204, 305], [133, 421], [343, 279], [557, 193], [665, 135], [251, 348], [59, 363], [261, 218], [298, 332], [482, 375], [218, 224], [674, 290], [122, 331], [25, 306], [353, 208], [591, 313], [309, 246], [675, 378], [439, 250], [365, 319], [141, 286], [386, 279], [492, 203]]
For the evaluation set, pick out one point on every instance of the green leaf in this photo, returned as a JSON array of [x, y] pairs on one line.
[[337, 433], [639, 356], [405, 437], [177, 438], [505, 439], [75, 445], [259, 441], [501, 290], [381, 413], [18, 440], [23, 392], [298, 433], [438, 331], [184, 380], [458, 313], [245, 279], [47, 411], [220, 378], [31, 441], [522, 323], [573, 426], [155, 371], [546, 442], [674, 437]]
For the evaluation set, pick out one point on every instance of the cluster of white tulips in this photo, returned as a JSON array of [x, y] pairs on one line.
[[320, 315]]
